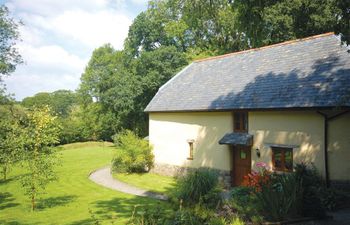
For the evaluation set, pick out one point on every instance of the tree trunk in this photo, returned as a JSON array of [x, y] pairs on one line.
[[33, 199], [4, 171]]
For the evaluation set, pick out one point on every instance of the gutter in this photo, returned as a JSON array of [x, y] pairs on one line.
[[327, 119]]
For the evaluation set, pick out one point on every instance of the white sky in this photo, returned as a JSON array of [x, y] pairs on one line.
[[58, 38]]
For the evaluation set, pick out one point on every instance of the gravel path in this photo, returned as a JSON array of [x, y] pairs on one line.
[[103, 177]]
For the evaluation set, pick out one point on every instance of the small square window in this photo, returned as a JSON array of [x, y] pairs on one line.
[[282, 159]]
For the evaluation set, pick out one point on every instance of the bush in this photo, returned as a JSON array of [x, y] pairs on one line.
[[244, 202], [317, 197], [333, 199], [281, 198], [312, 185], [148, 216], [159, 216], [257, 179], [134, 154], [199, 185]]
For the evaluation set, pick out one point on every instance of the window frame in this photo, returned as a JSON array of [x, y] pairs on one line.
[[190, 155], [243, 121], [283, 167]]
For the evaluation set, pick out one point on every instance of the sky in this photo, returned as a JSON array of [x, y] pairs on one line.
[[59, 36]]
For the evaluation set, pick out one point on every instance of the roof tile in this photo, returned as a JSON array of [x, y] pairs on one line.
[[311, 72]]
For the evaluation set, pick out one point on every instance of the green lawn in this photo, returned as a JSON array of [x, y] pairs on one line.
[[148, 181], [69, 200]]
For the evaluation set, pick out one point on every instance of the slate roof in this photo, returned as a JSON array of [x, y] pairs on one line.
[[236, 139], [304, 73]]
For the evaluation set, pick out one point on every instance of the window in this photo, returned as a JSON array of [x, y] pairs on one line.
[[282, 159], [190, 143], [243, 154], [240, 120]]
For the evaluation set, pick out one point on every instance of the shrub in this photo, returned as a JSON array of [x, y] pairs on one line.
[[237, 221], [333, 199], [199, 185], [244, 202], [256, 179], [281, 198], [134, 154], [147, 216], [312, 185], [159, 216]]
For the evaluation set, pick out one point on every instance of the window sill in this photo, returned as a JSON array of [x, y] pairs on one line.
[[189, 158]]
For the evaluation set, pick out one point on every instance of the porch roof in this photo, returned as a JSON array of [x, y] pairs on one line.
[[236, 139]]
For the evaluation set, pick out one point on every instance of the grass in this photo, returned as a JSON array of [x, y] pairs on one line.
[[69, 200], [148, 181]]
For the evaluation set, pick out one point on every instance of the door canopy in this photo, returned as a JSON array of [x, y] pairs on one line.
[[236, 138]]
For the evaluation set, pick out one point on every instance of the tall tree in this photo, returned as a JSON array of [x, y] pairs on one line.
[[60, 101], [41, 133], [11, 136], [267, 22], [9, 35], [40, 99]]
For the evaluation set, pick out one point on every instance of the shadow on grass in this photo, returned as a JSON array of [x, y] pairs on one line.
[[3, 222], [8, 180], [83, 222], [121, 209], [6, 201], [55, 201]]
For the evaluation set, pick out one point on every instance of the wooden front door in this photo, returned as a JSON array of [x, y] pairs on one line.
[[241, 164]]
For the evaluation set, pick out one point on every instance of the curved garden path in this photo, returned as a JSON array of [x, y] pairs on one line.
[[104, 177]]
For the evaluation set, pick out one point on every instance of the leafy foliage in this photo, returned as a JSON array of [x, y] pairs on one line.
[[267, 22], [115, 89], [244, 202], [200, 185], [311, 182], [11, 136], [9, 35], [59, 101], [195, 215], [281, 198], [41, 132], [134, 154], [258, 179]]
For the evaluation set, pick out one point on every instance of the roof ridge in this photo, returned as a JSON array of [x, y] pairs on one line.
[[265, 47]]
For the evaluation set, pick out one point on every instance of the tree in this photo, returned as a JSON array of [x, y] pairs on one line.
[[105, 72], [40, 99], [152, 70], [60, 101], [268, 22], [9, 35], [146, 34], [11, 137], [74, 126], [342, 25], [41, 133]]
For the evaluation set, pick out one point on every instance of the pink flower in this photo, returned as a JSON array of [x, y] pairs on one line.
[[261, 165]]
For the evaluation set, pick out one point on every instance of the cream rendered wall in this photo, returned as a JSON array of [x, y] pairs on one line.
[[339, 148], [169, 132], [300, 129]]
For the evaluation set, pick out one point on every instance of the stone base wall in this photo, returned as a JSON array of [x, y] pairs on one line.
[[172, 170]]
